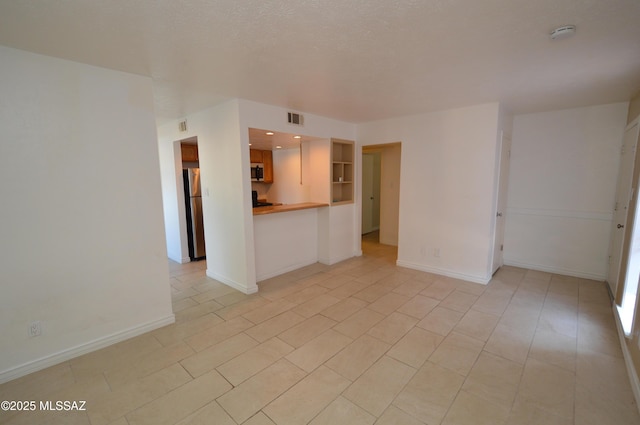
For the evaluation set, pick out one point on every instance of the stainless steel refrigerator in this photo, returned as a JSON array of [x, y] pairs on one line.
[[193, 207]]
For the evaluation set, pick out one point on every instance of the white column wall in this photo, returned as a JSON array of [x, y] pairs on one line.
[[564, 168], [82, 241]]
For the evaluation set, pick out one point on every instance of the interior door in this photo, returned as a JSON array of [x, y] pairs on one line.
[[621, 207], [498, 258], [367, 193]]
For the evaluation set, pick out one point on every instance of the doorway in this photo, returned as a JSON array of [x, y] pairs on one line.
[[380, 198], [624, 267]]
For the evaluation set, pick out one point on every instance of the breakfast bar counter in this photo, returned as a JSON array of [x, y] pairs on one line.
[[273, 209]]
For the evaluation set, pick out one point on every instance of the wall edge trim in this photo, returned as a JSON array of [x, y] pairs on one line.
[[78, 350], [235, 285], [554, 270], [444, 272]]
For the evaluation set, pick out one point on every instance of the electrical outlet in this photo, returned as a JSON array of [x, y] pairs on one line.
[[35, 329]]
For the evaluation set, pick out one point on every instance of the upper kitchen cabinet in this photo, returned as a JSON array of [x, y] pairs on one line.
[[256, 156], [189, 152], [342, 154], [265, 158]]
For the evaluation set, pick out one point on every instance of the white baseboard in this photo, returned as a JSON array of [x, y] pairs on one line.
[[233, 284], [444, 272], [68, 354], [628, 361], [555, 270]]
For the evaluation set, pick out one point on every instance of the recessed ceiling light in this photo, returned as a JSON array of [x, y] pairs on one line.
[[297, 137], [269, 133], [278, 147], [249, 144], [563, 32]]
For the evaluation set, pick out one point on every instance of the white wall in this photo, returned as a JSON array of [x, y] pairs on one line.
[[446, 187], [564, 167], [82, 240], [226, 192]]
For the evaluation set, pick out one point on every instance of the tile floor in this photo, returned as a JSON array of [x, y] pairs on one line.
[[360, 342]]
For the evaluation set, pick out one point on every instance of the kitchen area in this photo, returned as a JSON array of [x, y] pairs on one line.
[[297, 182]]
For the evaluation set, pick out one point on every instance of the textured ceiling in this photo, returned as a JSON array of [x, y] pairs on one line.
[[354, 60]]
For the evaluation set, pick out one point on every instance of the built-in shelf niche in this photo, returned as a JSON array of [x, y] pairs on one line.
[[342, 153]]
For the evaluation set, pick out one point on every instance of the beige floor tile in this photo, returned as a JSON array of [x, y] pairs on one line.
[[428, 396], [492, 302], [457, 352], [494, 379], [198, 310], [242, 307], [358, 356], [379, 385], [268, 311], [316, 305], [342, 411], [318, 350], [235, 298], [440, 320], [459, 301], [348, 289], [185, 303], [38, 385], [343, 309], [388, 303], [218, 333], [307, 398], [477, 325], [393, 327], [509, 343], [359, 323], [395, 416], [274, 326], [175, 333], [554, 348], [594, 336], [244, 366], [372, 292], [470, 409], [114, 356], [212, 357], [411, 287], [304, 332], [548, 387], [415, 347], [335, 281], [146, 365], [526, 414], [439, 290], [137, 393], [306, 294], [418, 306], [252, 395], [470, 287], [598, 406], [212, 413], [562, 321], [181, 402], [259, 419]]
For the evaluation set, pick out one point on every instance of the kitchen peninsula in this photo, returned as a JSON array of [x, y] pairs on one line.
[[314, 223]]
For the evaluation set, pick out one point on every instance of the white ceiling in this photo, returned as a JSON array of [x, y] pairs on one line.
[[354, 60]]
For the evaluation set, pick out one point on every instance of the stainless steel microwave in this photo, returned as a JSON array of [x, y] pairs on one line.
[[257, 172]]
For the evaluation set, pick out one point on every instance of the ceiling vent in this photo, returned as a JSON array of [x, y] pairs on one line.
[[182, 126], [293, 118]]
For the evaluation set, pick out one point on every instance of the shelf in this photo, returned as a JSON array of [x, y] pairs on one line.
[[342, 154]]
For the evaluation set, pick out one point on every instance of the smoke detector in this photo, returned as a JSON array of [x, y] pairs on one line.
[[563, 32]]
